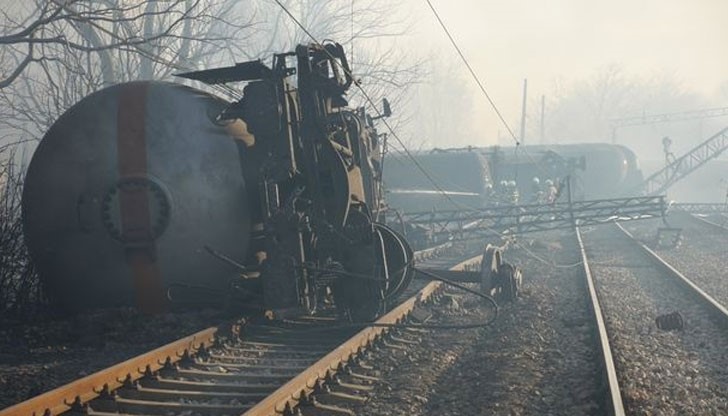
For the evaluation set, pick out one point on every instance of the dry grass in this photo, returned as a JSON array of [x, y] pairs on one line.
[[21, 294]]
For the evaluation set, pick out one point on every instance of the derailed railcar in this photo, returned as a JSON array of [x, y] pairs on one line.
[[473, 177], [157, 195], [438, 179]]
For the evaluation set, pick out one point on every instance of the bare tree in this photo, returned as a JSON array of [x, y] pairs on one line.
[[165, 33], [723, 93], [581, 112], [368, 30], [56, 52], [445, 106]]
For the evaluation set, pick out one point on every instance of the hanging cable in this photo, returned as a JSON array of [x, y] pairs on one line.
[[371, 102], [351, 53], [480, 84], [535, 256], [472, 72], [430, 276], [379, 114]]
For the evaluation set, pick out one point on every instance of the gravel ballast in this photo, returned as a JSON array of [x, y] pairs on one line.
[[538, 358], [660, 372], [38, 356], [702, 255]]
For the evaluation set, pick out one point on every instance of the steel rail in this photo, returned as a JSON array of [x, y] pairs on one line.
[[76, 394], [287, 397], [81, 391], [614, 401], [720, 312], [708, 222]]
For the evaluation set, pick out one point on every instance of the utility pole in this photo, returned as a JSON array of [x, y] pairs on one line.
[[543, 110], [523, 112]]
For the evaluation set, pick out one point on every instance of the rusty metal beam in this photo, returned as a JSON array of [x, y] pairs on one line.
[[84, 390]]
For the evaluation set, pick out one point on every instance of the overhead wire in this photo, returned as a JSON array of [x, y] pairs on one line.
[[389, 127], [428, 175], [401, 143], [383, 119], [551, 263], [379, 114], [482, 88], [472, 72]]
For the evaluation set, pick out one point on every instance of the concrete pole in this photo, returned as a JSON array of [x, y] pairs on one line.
[[543, 125], [523, 112]]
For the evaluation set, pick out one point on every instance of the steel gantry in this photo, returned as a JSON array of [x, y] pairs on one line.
[[701, 207], [668, 117], [518, 219], [679, 168]]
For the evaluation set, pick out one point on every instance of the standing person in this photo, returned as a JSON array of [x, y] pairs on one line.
[[502, 192], [513, 195], [551, 192], [666, 145], [536, 191], [490, 194]]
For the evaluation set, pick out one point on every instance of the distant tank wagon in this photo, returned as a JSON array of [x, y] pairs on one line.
[[461, 178], [474, 177]]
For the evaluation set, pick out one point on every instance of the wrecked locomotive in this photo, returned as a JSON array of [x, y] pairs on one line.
[[158, 195]]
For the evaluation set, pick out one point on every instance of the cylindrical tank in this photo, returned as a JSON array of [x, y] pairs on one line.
[[598, 170], [460, 177], [126, 192]]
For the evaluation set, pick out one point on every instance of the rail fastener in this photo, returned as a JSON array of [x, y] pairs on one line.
[[287, 396], [81, 391]]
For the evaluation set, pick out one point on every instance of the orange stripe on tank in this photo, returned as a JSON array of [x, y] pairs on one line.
[[136, 227]]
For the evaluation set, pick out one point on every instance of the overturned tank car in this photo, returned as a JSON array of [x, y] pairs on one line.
[[158, 195]]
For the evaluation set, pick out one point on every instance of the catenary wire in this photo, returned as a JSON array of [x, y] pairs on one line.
[[472, 72], [376, 110], [389, 127], [483, 89]]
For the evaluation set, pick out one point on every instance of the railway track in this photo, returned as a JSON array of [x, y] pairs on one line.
[[612, 402], [716, 222], [648, 370], [641, 369], [280, 368], [538, 358], [252, 368], [703, 252]]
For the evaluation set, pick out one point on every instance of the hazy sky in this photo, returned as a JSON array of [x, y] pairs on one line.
[[568, 40]]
